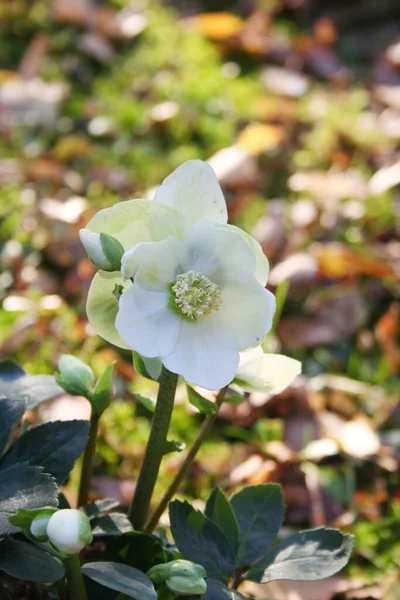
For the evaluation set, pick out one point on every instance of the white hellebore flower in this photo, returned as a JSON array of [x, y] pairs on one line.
[[69, 531], [195, 303], [198, 296]]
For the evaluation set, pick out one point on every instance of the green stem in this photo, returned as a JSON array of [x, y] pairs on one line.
[[87, 463], [75, 583], [204, 430], [155, 449]]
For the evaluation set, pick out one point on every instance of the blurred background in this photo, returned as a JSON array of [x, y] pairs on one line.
[[296, 105]]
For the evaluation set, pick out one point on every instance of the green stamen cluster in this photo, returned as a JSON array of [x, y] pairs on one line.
[[195, 295]]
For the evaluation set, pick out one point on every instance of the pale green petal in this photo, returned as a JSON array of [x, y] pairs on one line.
[[193, 190], [137, 221], [262, 265], [271, 373], [102, 306]]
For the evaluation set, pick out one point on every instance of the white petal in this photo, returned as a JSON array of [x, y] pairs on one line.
[[262, 264], [193, 190], [145, 322], [156, 264], [204, 354], [271, 373], [136, 221], [102, 306], [247, 311], [221, 255]]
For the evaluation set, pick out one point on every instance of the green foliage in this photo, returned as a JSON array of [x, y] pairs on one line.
[[237, 537], [122, 578], [25, 561], [103, 390], [206, 407], [17, 385], [135, 549]]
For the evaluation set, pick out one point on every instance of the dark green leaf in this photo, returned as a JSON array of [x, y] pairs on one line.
[[32, 388], [147, 367], [305, 556], [10, 371], [259, 512], [28, 562], [173, 446], [55, 446], [111, 525], [121, 578], [219, 510], [103, 391], [136, 549], [24, 486], [216, 590], [11, 412], [75, 377], [148, 403], [98, 507], [206, 407], [201, 541]]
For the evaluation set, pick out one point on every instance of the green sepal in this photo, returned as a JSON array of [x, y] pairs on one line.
[[206, 407], [24, 517], [103, 391], [113, 250]]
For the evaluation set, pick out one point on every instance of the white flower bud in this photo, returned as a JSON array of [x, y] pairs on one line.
[[69, 531], [104, 250], [38, 526]]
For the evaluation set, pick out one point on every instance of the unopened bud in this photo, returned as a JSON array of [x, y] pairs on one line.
[[104, 250], [69, 531], [38, 526], [186, 586]]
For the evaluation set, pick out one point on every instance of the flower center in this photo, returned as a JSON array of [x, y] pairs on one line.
[[195, 295]]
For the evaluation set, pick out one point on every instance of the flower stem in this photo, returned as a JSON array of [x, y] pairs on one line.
[[76, 585], [87, 463], [155, 449], [204, 430]]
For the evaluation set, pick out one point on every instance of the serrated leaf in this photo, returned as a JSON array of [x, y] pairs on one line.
[[103, 391], [122, 578], [55, 446], [206, 407], [216, 590], [28, 562], [16, 385], [147, 367], [11, 412], [136, 549], [148, 403], [305, 556], [219, 510], [201, 541], [259, 511], [111, 525], [24, 486]]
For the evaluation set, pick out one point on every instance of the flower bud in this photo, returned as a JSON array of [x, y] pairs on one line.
[[104, 250], [75, 377], [38, 526], [69, 531], [186, 586]]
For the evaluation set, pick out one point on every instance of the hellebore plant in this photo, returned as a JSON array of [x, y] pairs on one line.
[[186, 293]]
